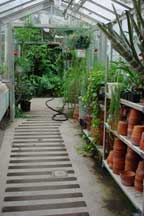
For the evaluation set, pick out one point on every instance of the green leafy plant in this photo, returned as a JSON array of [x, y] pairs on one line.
[[126, 45], [73, 80], [114, 108], [95, 80], [79, 39]]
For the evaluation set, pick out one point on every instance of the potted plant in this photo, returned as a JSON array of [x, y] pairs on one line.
[[114, 108], [27, 91]]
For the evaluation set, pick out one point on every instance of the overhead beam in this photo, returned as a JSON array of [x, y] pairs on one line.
[[4, 3], [101, 6], [72, 13], [85, 15], [97, 14], [89, 21], [23, 12], [69, 4], [17, 6], [122, 4]]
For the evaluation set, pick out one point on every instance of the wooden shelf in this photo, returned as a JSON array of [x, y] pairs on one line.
[[98, 147], [135, 197], [137, 106], [126, 140]]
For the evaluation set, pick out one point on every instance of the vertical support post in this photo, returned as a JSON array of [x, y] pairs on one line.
[[0, 43], [10, 63], [105, 108], [143, 200]]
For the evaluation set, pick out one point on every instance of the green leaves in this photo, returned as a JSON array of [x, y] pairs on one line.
[[125, 45]]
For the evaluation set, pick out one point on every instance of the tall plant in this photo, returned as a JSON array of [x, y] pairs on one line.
[[73, 80], [126, 46]]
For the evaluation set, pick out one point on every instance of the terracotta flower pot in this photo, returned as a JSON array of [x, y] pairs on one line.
[[122, 128], [138, 186], [140, 171], [127, 178], [116, 171], [118, 165], [130, 165], [76, 112], [119, 154], [110, 159], [130, 129], [136, 134], [131, 160], [134, 117], [119, 145], [142, 141], [132, 155]]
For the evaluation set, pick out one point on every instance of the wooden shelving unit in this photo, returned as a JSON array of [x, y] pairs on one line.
[[137, 106], [126, 140], [135, 197]]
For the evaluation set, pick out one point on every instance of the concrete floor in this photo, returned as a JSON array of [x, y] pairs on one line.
[[103, 197]]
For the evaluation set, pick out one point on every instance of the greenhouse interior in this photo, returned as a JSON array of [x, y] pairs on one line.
[[71, 102]]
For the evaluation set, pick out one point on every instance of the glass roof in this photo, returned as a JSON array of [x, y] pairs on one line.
[[94, 10]]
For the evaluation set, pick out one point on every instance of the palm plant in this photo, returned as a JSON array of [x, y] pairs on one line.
[[124, 45]]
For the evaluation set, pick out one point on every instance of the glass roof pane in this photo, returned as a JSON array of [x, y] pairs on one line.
[[99, 10], [92, 15], [13, 8], [19, 4]]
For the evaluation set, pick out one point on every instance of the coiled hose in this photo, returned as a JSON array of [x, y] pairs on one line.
[[58, 112]]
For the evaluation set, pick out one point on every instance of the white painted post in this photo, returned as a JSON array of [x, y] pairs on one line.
[[10, 63], [0, 46]]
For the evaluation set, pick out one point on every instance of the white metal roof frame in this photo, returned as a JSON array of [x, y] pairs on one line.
[[94, 10]]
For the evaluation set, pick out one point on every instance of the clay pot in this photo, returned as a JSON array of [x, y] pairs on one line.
[[136, 134], [119, 154], [132, 155], [118, 165], [119, 145], [130, 129], [139, 177], [110, 159], [130, 165], [142, 141], [127, 178], [122, 128], [134, 117], [140, 171], [116, 171], [76, 112], [131, 160], [138, 186]]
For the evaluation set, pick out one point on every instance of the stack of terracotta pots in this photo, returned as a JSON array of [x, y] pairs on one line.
[[76, 112], [142, 141], [131, 161], [136, 134], [122, 128], [133, 119], [110, 159], [139, 177], [119, 156]]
